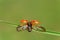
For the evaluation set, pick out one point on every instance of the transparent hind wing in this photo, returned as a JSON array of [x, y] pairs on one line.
[[39, 28]]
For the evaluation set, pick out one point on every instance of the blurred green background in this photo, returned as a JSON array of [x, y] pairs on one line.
[[45, 11]]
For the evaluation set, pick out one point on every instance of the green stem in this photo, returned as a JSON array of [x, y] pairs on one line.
[[49, 32]]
